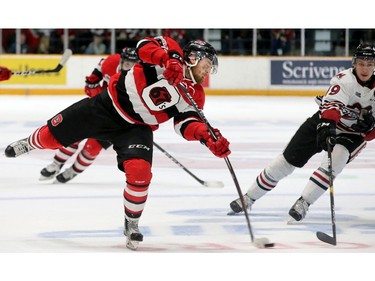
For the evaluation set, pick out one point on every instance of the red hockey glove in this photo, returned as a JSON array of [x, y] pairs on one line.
[[93, 87], [5, 73], [174, 70], [219, 147]]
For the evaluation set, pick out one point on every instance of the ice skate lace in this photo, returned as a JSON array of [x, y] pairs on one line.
[[22, 147]]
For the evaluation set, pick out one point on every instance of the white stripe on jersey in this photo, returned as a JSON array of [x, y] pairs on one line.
[[136, 101]]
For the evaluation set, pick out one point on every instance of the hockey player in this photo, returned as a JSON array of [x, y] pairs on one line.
[[127, 112], [345, 119], [102, 73]]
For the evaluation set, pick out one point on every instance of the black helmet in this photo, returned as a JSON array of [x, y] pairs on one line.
[[129, 54], [364, 52], [200, 49]]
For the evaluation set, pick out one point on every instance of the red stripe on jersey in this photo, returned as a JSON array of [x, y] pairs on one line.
[[196, 92], [332, 114]]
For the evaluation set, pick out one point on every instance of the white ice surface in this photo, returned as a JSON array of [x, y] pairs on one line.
[[79, 225]]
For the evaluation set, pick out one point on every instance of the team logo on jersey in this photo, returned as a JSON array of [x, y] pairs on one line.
[[56, 120], [358, 94], [340, 75], [160, 95]]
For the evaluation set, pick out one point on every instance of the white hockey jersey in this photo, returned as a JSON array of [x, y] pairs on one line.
[[349, 97]]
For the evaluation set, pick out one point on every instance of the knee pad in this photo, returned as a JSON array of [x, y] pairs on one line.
[[138, 172], [279, 168], [92, 148]]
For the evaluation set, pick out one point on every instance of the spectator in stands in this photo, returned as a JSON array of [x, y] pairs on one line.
[[44, 41], [178, 35], [25, 48], [233, 41], [97, 46], [281, 40]]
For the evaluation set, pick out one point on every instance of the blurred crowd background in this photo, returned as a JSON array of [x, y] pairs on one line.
[[234, 42]]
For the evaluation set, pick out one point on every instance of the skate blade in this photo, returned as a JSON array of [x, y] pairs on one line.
[[292, 221], [57, 182], [43, 178], [232, 213]]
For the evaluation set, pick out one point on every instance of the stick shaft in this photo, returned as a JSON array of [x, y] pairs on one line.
[[64, 59], [227, 161], [321, 235], [331, 191]]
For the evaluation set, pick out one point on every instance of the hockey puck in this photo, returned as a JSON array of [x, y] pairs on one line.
[[269, 245]]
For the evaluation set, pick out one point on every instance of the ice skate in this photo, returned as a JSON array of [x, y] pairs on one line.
[[236, 205], [18, 148], [299, 209], [66, 176], [133, 236], [50, 171]]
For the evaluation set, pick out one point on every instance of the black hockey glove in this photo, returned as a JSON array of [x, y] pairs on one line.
[[326, 132], [365, 121]]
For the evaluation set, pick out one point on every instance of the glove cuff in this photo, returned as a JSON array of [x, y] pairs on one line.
[[323, 122], [93, 79], [172, 54], [92, 86], [195, 131]]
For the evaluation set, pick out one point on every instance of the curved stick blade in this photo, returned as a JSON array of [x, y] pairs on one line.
[[214, 184], [326, 238]]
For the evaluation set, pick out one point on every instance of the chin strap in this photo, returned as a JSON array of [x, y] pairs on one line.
[[191, 75], [190, 66]]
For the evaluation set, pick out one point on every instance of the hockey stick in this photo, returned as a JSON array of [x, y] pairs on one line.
[[64, 59], [258, 242], [321, 235], [204, 183]]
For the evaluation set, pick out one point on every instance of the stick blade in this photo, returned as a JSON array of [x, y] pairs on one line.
[[263, 243], [326, 238], [214, 184]]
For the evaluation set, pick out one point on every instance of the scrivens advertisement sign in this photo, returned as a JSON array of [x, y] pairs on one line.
[[305, 72]]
